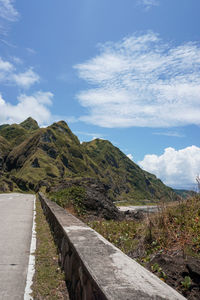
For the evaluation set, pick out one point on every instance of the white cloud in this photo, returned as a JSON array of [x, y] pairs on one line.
[[26, 79], [5, 66], [130, 156], [89, 134], [169, 133], [31, 51], [147, 4], [9, 44], [177, 168], [35, 106], [141, 81], [23, 79], [7, 10], [17, 60]]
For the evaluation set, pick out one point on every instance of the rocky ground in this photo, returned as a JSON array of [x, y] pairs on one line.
[[181, 273], [96, 201]]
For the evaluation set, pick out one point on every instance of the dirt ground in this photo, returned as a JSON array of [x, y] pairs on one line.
[[177, 269]]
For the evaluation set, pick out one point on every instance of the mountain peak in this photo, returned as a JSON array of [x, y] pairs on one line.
[[30, 124], [63, 128], [62, 124]]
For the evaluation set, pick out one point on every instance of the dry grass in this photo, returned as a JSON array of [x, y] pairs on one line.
[[49, 281], [175, 227]]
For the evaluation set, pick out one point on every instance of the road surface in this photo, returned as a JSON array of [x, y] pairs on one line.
[[16, 221]]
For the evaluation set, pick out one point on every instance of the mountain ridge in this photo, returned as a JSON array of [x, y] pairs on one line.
[[33, 157]]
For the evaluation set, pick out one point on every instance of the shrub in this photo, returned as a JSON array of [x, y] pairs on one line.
[[74, 195]]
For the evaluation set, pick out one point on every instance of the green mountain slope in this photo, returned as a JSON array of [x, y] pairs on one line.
[[127, 180], [5, 148], [30, 124], [15, 134], [32, 157], [47, 156]]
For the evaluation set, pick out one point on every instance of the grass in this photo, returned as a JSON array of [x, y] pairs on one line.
[[173, 232], [175, 227], [127, 180], [60, 155], [49, 281], [71, 196], [15, 134], [123, 234]]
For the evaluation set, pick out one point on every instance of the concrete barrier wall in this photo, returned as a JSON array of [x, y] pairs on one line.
[[94, 268]]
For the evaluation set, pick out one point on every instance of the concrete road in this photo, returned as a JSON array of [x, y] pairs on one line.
[[16, 220]]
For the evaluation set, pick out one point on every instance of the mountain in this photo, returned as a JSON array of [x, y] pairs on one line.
[[127, 180], [46, 156], [30, 124], [4, 150], [185, 193], [15, 134], [33, 157]]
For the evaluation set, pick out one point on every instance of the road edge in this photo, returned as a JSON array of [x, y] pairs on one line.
[[31, 263]]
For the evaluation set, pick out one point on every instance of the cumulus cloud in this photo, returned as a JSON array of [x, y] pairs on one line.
[[130, 156], [142, 81], [176, 168], [5, 66], [25, 79], [7, 10], [9, 74], [36, 106]]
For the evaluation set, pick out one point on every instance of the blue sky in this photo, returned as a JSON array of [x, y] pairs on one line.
[[127, 71]]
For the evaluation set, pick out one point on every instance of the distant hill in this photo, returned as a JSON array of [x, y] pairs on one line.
[[185, 193], [33, 157]]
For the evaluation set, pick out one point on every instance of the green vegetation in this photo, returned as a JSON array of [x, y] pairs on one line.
[[33, 158], [165, 242], [15, 134], [185, 193], [158, 271], [186, 283], [30, 124], [4, 145], [49, 281], [173, 227], [123, 234], [178, 226], [72, 196], [127, 180]]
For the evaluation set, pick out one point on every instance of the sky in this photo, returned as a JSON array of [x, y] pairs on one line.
[[127, 71]]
